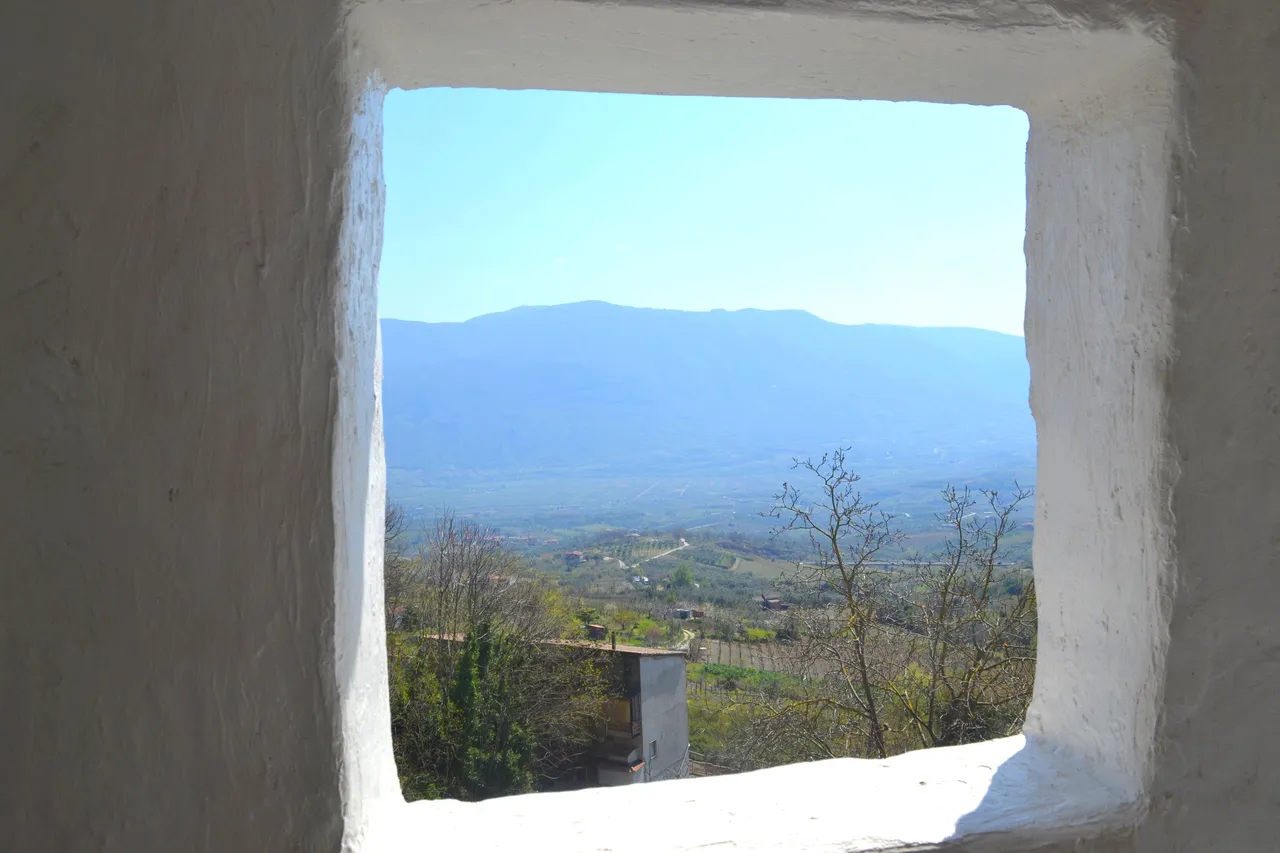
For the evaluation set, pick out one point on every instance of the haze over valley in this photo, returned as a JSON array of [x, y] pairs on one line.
[[597, 414]]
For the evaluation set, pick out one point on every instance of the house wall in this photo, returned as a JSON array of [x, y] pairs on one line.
[[664, 712]]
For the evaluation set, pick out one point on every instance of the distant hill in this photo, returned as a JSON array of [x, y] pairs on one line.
[[599, 390]]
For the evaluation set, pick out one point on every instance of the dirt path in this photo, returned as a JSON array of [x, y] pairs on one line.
[[683, 544]]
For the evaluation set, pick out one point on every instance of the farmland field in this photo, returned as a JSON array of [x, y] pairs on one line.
[[762, 568], [767, 657], [633, 550], [770, 657]]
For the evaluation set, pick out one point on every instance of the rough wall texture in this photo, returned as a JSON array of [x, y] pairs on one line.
[[359, 479], [1153, 299], [170, 199], [1217, 753], [189, 215], [1218, 779], [910, 50], [1100, 343]]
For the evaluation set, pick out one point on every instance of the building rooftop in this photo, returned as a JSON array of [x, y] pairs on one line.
[[621, 649], [602, 646]]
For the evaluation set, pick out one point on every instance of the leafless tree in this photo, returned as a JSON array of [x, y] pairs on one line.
[[970, 615], [399, 572], [846, 534], [895, 653], [468, 577]]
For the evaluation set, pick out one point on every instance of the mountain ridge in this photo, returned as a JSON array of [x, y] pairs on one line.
[[601, 390]]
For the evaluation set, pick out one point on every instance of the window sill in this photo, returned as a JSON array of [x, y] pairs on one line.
[[1014, 792]]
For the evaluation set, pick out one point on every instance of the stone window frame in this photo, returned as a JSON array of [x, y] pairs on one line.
[[1102, 159]]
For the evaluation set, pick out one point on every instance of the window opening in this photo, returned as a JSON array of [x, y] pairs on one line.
[[689, 417]]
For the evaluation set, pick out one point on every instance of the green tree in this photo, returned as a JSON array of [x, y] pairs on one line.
[[482, 704], [682, 577], [495, 750]]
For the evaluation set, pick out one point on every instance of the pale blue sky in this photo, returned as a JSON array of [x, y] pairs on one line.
[[858, 211]]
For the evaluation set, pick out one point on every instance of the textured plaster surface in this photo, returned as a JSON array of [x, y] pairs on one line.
[[922, 51], [1099, 340], [1103, 159], [191, 463], [1218, 783], [359, 478], [171, 193], [996, 795]]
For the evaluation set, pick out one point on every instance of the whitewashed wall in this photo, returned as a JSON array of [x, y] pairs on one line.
[[190, 205]]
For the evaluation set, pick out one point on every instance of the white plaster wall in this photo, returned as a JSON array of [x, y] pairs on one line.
[[1138, 627], [1100, 88], [359, 479], [190, 463], [1100, 344], [1217, 783], [664, 712], [937, 50], [171, 197]]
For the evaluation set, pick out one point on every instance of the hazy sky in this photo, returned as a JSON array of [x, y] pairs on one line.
[[858, 211]]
